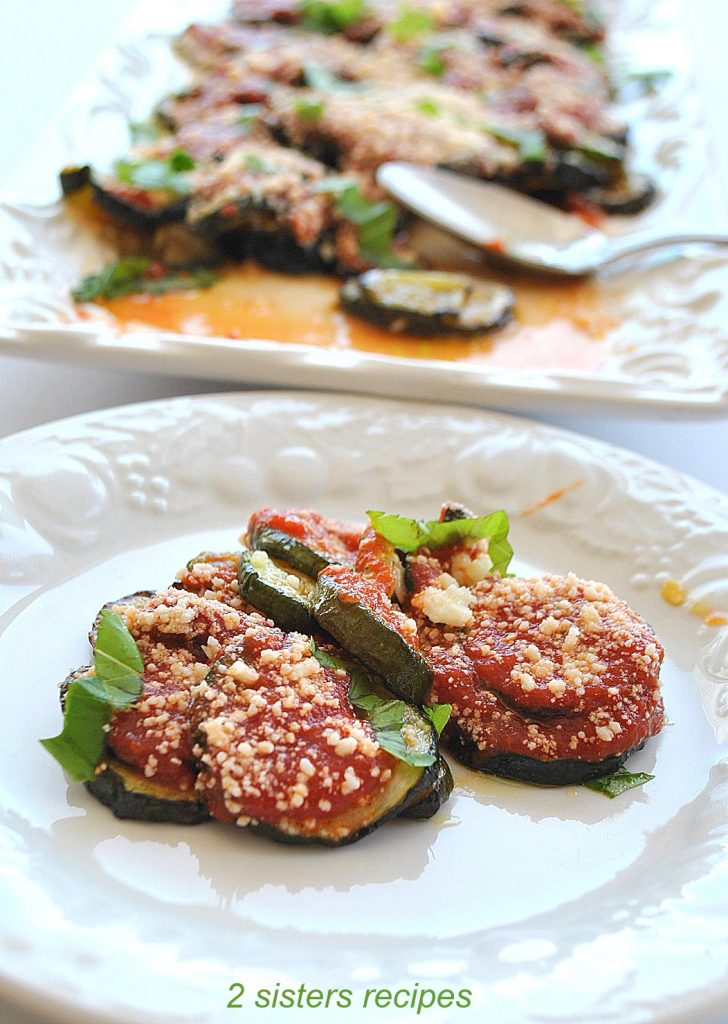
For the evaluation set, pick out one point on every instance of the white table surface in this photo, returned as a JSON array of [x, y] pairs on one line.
[[45, 50]]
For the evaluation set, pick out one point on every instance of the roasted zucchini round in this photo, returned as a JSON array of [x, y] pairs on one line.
[[127, 793], [560, 772], [427, 302], [432, 797], [362, 619], [630, 194]]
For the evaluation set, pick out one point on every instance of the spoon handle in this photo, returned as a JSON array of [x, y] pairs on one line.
[[631, 245]]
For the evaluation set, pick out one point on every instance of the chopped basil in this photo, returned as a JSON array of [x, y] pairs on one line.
[[387, 717], [166, 175], [410, 23], [439, 715], [429, 107], [115, 279], [309, 110], [331, 15], [593, 51], [530, 142], [117, 660], [619, 782], [130, 275], [91, 700], [411, 534], [80, 745], [430, 61], [376, 223], [181, 161]]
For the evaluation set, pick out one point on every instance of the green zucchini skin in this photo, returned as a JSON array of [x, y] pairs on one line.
[[374, 643], [128, 794], [289, 609], [564, 772], [433, 797], [290, 550]]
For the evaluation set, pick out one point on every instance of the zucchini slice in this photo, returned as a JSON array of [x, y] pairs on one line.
[[427, 302], [432, 797], [630, 194], [360, 616], [278, 591], [303, 539], [127, 793], [559, 772], [277, 770]]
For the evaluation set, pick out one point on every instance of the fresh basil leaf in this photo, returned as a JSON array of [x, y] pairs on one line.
[[165, 175], [593, 51], [178, 282], [409, 24], [376, 223], [439, 715], [331, 15], [430, 61], [426, 106], [79, 747], [619, 782], [181, 161], [387, 717], [115, 279], [411, 534], [128, 276], [530, 142], [92, 699], [309, 110], [117, 660]]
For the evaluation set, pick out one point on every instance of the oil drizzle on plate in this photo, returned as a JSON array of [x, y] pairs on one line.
[[556, 325]]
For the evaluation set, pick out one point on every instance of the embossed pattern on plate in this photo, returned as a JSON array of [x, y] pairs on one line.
[[550, 905], [671, 345]]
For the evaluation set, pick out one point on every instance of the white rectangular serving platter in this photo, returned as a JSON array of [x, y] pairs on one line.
[[670, 349]]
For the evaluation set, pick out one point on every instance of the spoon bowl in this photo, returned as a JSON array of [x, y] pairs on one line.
[[518, 230]]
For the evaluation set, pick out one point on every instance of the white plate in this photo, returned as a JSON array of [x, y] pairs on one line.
[[550, 905], [670, 349]]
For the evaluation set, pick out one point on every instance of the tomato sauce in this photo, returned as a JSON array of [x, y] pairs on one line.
[[281, 741], [552, 668], [330, 537]]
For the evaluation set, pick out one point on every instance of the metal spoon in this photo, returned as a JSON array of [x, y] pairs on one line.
[[518, 230]]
